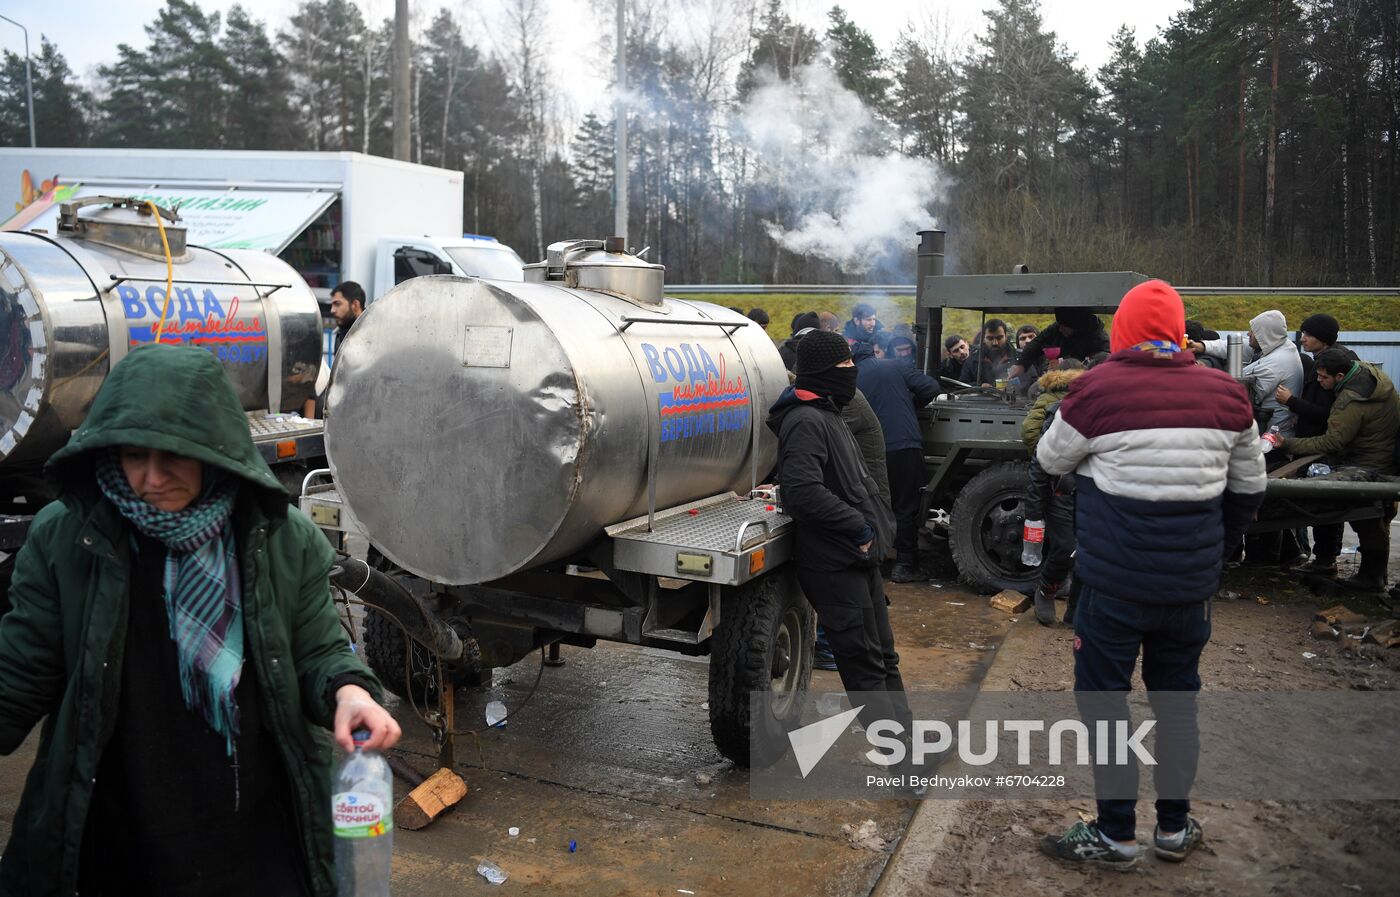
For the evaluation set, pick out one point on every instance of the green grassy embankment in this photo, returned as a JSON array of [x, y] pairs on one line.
[[1216, 312]]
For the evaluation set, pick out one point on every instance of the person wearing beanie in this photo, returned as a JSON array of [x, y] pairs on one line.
[[1271, 361], [1311, 407], [896, 392], [802, 324], [1077, 333], [842, 528], [1168, 474]]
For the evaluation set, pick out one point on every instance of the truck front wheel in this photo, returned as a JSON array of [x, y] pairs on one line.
[[985, 531], [761, 651]]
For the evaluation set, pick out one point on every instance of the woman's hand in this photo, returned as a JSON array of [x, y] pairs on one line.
[[355, 709]]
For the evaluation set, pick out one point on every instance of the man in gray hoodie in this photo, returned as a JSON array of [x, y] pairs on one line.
[[1271, 360]]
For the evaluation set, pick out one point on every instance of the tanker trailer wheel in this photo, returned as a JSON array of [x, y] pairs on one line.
[[762, 649], [413, 674], [985, 532]]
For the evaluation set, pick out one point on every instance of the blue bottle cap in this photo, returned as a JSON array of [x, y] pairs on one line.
[[360, 736]]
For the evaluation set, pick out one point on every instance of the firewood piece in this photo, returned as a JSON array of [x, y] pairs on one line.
[[439, 792]]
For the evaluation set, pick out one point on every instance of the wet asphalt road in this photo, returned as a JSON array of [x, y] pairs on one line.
[[607, 753]]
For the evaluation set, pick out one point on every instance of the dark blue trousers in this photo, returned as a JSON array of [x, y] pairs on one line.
[[1109, 634]]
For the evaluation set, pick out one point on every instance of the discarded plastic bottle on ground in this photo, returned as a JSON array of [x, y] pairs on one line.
[[496, 714], [1032, 541], [1318, 470], [362, 814]]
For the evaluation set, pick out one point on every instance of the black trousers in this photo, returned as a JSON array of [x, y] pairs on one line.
[[851, 608], [907, 480], [1327, 541]]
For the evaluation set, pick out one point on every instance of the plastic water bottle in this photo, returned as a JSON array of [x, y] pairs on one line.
[[362, 813], [1032, 541], [1271, 440]]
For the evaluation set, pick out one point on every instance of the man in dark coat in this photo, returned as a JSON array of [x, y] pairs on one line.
[[992, 359], [863, 327], [1311, 407], [896, 392], [802, 324], [1361, 432], [836, 550], [956, 352], [1077, 333]]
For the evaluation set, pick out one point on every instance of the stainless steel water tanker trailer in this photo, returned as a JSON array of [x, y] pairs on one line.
[[480, 428], [74, 302]]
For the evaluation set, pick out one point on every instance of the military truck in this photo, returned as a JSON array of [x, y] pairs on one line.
[[978, 482]]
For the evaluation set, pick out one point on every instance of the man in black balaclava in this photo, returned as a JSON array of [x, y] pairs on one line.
[[827, 492]]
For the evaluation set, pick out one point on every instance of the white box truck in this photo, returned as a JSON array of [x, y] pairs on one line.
[[332, 216]]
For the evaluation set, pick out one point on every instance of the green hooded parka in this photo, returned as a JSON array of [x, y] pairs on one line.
[[62, 645]]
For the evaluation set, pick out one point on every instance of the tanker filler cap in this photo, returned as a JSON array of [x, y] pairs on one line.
[[124, 224], [603, 265]]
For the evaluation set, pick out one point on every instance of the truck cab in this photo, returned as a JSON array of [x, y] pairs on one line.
[[399, 258]]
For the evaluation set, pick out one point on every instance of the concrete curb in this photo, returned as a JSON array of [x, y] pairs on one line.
[[913, 861]]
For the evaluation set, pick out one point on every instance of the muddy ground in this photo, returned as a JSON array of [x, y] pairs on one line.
[[1252, 847]]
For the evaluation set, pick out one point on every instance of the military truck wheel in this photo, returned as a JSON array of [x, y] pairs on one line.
[[985, 532], [412, 674], [762, 649]]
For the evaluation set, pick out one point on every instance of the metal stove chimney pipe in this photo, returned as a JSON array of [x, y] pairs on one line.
[[929, 331]]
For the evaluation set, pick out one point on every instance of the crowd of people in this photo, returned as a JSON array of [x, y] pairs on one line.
[[1145, 460]]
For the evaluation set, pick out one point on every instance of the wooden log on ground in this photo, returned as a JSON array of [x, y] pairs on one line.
[[438, 793]]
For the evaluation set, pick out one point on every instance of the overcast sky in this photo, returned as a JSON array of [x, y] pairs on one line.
[[88, 31]]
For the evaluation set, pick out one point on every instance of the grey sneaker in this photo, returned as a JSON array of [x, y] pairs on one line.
[[1083, 844], [1192, 839]]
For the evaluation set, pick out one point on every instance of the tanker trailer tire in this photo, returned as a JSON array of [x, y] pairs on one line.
[[762, 646], [414, 677], [985, 532]]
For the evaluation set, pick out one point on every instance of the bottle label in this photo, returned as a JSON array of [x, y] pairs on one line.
[[356, 814], [1033, 533]]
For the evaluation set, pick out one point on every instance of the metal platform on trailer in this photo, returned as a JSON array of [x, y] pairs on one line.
[[725, 540], [282, 437]]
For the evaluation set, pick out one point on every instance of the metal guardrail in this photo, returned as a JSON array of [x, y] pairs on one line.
[[907, 289]]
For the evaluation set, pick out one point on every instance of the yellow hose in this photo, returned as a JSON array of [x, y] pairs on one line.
[[169, 271]]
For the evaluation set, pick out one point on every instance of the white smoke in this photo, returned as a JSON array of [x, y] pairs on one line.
[[846, 198]]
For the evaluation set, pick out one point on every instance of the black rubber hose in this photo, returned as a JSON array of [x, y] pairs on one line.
[[379, 590]]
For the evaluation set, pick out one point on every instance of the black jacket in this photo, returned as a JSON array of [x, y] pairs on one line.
[[1315, 403], [820, 472], [1085, 344], [978, 370], [951, 368]]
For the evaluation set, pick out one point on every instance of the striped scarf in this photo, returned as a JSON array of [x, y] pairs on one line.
[[203, 599]]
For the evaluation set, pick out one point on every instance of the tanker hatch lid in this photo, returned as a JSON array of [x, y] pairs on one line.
[[602, 265], [123, 223]]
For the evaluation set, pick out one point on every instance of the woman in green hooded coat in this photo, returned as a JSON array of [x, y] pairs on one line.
[[173, 629]]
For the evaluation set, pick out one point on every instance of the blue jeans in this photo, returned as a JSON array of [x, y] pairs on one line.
[[1109, 633]]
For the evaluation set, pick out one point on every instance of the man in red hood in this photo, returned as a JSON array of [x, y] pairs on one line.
[[1168, 474]]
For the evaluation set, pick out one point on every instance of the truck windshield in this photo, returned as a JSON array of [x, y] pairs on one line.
[[492, 261]]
